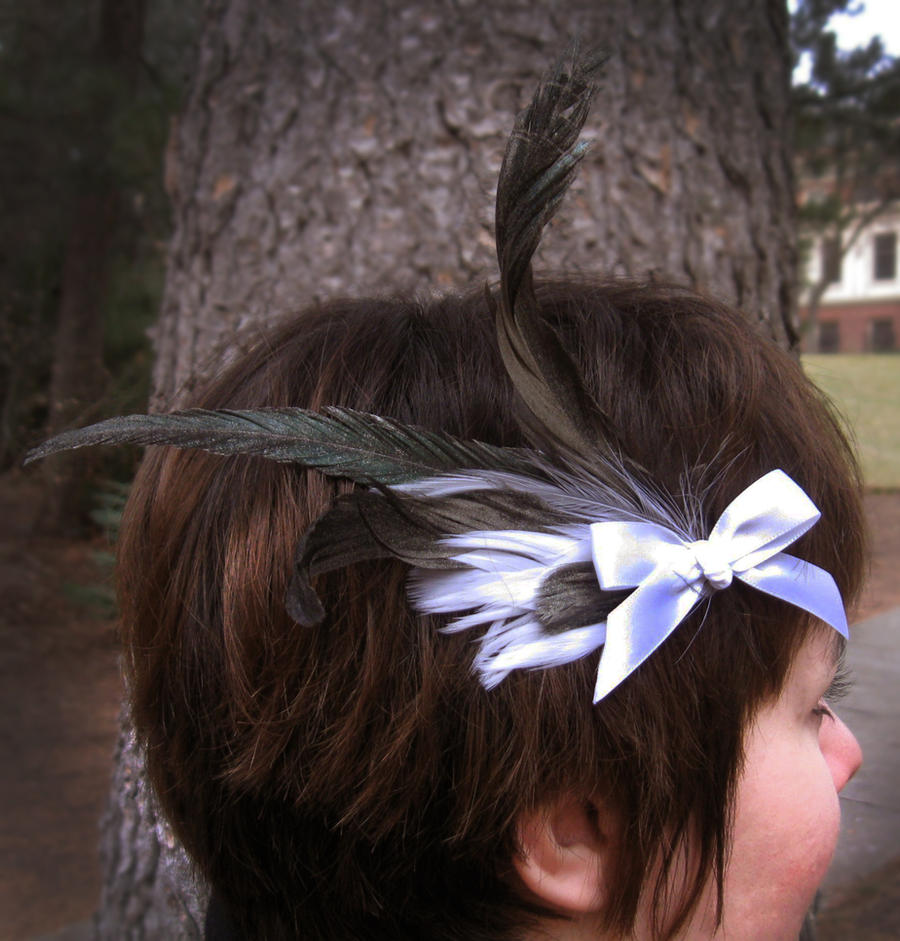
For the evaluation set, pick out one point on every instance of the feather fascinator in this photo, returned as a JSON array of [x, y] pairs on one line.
[[547, 553]]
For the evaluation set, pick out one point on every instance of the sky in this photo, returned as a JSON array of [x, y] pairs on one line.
[[878, 18], [875, 18]]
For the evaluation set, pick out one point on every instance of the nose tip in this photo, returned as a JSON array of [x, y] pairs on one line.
[[841, 750]]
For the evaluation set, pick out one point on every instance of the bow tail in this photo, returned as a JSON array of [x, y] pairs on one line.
[[639, 625], [802, 584]]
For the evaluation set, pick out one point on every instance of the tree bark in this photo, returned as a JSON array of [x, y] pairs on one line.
[[351, 147], [149, 889], [314, 161]]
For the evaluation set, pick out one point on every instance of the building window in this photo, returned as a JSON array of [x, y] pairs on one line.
[[831, 260], [829, 336], [886, 256], [883, 339]]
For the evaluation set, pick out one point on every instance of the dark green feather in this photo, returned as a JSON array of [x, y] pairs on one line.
[[571, 597], [540, 163], [339, 442]]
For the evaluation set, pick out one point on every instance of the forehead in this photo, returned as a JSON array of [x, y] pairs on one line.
[[817, 660], [836, 647]]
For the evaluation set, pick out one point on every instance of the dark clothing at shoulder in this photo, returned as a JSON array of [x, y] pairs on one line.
[[218, 925]]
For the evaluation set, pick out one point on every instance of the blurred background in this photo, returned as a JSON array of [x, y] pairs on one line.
[[175, 174]]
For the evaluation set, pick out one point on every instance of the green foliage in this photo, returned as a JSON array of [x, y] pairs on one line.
[[847, 125], [98, 599], [74, 117], [109, 501], [98, 596]]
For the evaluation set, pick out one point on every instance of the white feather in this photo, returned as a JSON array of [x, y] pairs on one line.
[[501, 581], [571, 543], [529, 648], [503, 572], [446, 485], [464, 589]]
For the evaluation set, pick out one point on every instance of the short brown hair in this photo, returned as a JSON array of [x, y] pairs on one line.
[[354, 780]]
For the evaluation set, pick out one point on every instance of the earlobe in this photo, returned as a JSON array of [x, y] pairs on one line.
[[564, 856]]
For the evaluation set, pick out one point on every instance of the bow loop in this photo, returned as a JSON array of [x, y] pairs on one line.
[[764, 519]]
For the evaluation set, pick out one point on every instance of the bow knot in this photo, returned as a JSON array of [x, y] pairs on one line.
[[714, 566]]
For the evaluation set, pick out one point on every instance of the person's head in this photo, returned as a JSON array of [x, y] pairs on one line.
[[354, 779]]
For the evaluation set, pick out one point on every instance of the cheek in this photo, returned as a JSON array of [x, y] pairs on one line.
[[786, 825], [793, 847]]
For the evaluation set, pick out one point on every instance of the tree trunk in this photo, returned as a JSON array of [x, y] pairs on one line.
[[314, 161], [334, 147], [149, 891]]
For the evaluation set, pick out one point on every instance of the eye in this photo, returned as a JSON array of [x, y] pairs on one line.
[[838, 688], [822, 710]]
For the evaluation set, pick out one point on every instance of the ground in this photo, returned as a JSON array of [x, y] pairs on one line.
[[60, 685]]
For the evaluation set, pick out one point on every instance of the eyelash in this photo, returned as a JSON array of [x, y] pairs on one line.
[[822, 710], [837, 690]]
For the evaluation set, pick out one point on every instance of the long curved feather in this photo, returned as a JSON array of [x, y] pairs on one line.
[[339, 442], [540, 163]]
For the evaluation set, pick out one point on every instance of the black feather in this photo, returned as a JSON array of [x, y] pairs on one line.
[[339, 442], [540, 163], [571, 597], [336, 539]]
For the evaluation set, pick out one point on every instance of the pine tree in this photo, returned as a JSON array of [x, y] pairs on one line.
[[847, 125]]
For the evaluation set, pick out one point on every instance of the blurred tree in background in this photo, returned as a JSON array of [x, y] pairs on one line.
[[847, 127], [87, 92]]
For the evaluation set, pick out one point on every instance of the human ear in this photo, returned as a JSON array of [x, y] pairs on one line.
[[565, 854]]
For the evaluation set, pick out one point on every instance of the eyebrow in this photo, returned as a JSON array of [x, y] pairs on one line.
[[839, 686], [841, 680]]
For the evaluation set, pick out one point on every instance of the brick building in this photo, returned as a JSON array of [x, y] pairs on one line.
[[860, 310]]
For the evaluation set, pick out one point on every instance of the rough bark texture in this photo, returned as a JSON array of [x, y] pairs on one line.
[[149, 889], [349, 147], [352, 147]]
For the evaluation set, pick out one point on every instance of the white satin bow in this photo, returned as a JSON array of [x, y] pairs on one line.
[[671, 574]]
